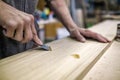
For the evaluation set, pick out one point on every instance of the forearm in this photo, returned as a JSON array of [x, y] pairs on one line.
[[62, 11], [0, 10]]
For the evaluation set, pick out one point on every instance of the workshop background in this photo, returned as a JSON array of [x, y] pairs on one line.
[[85, 13], [68, 59]]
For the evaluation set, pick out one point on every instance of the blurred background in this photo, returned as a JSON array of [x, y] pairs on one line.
[[85, 14]]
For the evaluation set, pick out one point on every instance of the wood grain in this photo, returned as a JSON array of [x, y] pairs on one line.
[[108, 67], [58, 64]]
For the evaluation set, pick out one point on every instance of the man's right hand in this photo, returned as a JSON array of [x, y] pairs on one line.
[[18, 25]]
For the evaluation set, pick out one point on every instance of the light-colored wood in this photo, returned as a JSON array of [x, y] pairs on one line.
[[58, 64], [108, 67], [114, 17]]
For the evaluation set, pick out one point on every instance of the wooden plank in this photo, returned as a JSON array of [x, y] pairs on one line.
[[108, 67], [58, 64]]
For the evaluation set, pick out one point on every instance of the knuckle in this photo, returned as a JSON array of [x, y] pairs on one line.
[[31, 17], [29, 38], [96, 35], [86, 30], [27, 19], [18, 39], [16, 24], [34, 33], [21, 23], [12, 24], [23, 41], [7, 35]]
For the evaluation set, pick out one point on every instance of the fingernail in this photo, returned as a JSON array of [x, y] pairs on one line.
[[41, 43], [83, 40], [37, 40]]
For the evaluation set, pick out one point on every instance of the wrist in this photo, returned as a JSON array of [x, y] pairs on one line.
[[1, 4], [72, 27], [1, 11], [1, 0]]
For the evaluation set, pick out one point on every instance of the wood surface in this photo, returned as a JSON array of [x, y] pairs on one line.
[[108, 67], [58, 64]]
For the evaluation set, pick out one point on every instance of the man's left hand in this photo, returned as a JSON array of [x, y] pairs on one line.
[[80, 34]]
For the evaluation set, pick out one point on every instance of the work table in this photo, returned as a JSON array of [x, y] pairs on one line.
[[62, 63]]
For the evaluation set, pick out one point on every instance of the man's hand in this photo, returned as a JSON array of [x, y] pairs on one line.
[[18, 25], [80, 34], [62, 11]]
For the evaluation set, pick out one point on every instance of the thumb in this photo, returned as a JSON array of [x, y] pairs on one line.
[[80, 38]]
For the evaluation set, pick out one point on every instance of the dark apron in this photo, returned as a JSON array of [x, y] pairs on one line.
[[9, 46]]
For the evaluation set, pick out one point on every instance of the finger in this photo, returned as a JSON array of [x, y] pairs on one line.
[[35, 36], [102, 39], [27, 34], [106, 39], [98, 37], [37, 40], [19, 32], [9, 32], [87, 33], [94, 35], [78, 36], [30, 19]]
